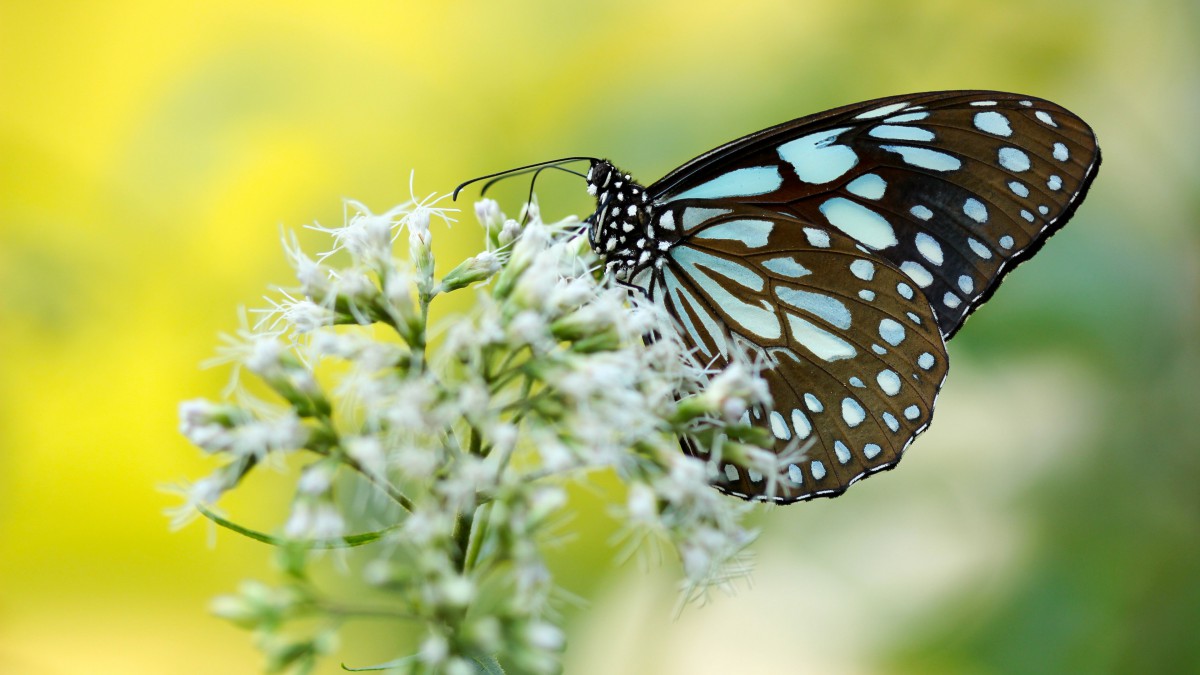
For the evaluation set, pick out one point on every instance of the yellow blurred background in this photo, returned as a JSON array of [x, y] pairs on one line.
[[150, 152]]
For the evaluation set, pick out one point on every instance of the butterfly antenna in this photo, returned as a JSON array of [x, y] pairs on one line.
[[488, 185], [521, 169]]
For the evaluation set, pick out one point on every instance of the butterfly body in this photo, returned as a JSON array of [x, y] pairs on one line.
[[840, 251]]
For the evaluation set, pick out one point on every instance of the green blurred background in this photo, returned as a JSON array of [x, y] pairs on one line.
[[149, 152]]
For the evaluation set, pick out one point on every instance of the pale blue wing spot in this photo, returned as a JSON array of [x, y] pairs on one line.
[[795, 475], [929, 247], [983, 103], [842, 452], [1018, 188], [890, 420], [912, 412], [882, 111], [975, 210], [863, 269], [694, 216], [817, 469], [878, 350], [907, 117], [779, 426], [815, 159], [761, 321], [857, 383], [817, 238], [852, 412], [913, 318], [754, 475], [890, 132], [1043, 209], [924, 158], [867, 186], [917, 273], [979, 248], [1045, 118], [691, 259], [889, 382], [814, 404], [752, 233], [921, 212], [682, 297], [993, 123], [787, 267], [1054, 183], [747, 182], [859, 222], [801, 424], [825, 345], [1027, 215], [951, 300], [891, 331], [867, 295], [1014, 160], [966, 283], [731, 473], [818, 304], [925, 360], [1006, 241], [904, 290], [871, 450], [1060, 152]]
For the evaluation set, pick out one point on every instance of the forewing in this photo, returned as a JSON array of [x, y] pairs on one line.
[[851, 350], [952, 188]]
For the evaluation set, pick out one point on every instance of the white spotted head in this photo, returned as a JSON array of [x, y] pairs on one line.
[[619, 229]]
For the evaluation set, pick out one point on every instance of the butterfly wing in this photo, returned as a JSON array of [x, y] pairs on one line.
[[953, 188], [853, 353]]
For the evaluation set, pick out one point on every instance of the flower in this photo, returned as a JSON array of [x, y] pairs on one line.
[[449, 455]]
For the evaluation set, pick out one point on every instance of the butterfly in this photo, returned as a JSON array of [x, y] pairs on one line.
[[842, 250]]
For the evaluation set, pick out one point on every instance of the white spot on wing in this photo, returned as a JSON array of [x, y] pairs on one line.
[[815, 157], [863, 269], [975, 210], [842, 452], [882, 111], [813, 403], [787, 267], [993, 123], [921, 212], [979, 248], [852, 412], [747, 182], [1045, 118], [800, 422], [867, 186], [817, 238], [817, 469], [1060, 152], [1018, 188], [891, 331], [917, 273], [1014, 160], [825, 345], [889, 382], [752, 233], [929, 247], [824, 306], [924, 158], [891, 132], [859, 222], [779, 426]]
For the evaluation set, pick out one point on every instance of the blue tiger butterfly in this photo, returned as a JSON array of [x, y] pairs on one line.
[[842, 250]]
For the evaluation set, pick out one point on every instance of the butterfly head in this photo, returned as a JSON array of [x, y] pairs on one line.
[[619, 230]]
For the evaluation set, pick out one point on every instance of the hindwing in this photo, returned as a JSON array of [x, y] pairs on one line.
[[852, 353]]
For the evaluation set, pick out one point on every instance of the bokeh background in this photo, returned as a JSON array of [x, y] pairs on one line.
[[150, 152]]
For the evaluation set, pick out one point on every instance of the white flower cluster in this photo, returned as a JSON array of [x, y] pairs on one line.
[[463, 447]]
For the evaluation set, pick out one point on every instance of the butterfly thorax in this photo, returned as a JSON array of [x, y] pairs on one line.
[[620, 229]]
